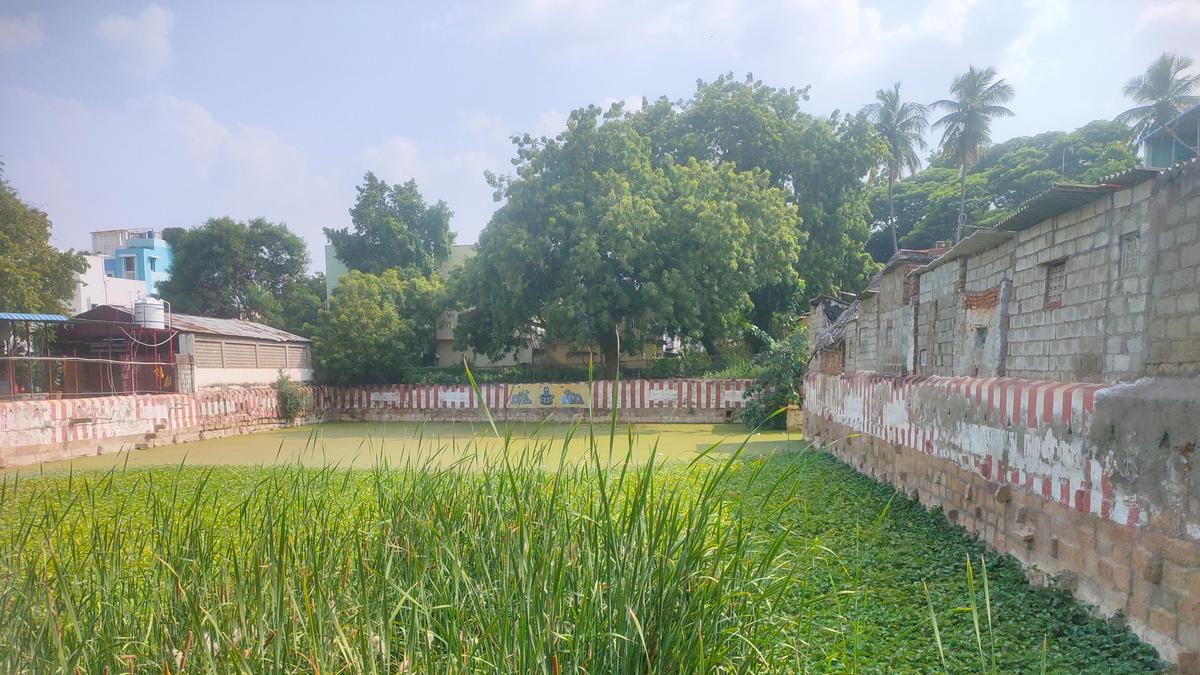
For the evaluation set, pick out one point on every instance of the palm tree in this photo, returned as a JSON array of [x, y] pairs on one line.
[[1163, 90], [902, 126], [978, 98]]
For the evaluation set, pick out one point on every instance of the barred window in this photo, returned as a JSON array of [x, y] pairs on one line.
[[1056, 280], [1131, 249]]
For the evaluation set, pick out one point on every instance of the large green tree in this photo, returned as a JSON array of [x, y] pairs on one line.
[[1162, 92], [902, 125], [818, 163], [394, 228], [597, 239], [34, 276], [234, 270], [978, 98], [376, 326]]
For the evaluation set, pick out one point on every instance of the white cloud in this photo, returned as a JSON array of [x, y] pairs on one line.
[[1170, 25], [1019, 58], [841, 34], [159, 161], [20, 32], [144, 40], [946, 19]]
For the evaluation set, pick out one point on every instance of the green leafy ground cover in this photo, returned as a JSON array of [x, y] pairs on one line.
[[774, 563]]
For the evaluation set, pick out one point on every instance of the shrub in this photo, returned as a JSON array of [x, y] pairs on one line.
[[291, 397], [778, 370]]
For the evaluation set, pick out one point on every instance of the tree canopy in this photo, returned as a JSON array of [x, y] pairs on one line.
[[902, 125], [234, 270], [34, 276], [978, 98], [376, 326], [599, 237], [1005, 175], [819, 164], [394, 228]]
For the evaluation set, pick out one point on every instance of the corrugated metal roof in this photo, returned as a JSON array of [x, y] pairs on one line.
[[1055, 200], [976, 242], [209, 326], [19, 316], [232, 327], [1130, 177]]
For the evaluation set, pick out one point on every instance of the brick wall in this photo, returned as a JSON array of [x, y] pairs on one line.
[[1089, 485]]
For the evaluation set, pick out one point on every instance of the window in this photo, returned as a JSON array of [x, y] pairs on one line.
[[1056, 281], [981, 334], [1131, 249], [129, 266], [153, 262]]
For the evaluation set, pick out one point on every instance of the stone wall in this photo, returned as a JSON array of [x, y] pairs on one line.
[[1091, 486], [40, 431]]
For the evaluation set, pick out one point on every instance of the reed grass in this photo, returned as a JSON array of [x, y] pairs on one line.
[[773, 563]]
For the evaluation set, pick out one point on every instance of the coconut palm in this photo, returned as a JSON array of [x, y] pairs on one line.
[[967, 126], [1163, 90], [902, 125]]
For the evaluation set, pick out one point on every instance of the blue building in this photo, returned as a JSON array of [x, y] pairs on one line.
[[135, 254]]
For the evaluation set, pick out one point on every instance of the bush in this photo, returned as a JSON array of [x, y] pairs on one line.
[[779, 368], [292, 398]]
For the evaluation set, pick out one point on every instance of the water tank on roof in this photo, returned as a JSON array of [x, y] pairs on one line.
[[149, 313]]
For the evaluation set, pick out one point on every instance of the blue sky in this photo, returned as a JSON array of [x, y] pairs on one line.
[[128, 114]]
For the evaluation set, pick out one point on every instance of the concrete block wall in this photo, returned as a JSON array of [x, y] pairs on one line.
[[1089, 485], [1064, 340], [32, 432], [940, 304], [1173, 324]]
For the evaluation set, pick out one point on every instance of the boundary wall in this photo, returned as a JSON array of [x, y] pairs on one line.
[[32, 432], [1091, 486]]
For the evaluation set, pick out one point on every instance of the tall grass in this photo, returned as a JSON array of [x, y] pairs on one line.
[[493, 565]]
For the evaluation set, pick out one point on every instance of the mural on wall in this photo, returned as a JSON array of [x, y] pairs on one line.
[[548, 396]]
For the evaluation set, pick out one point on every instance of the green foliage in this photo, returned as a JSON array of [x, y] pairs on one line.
[[292, 398], [1006, 175], [902, 126], [818, 163], [780, 370], [376, 326], [967, 125], [595, 237], [394, 228], [34, 276], [302, 302], [506, 569], [1163, 92], [234, 270], [779, 563]]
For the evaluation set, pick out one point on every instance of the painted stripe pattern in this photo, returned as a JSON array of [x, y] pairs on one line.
[[1027, 433], [51, 422]]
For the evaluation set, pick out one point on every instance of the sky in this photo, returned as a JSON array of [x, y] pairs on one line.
[[161, 114]]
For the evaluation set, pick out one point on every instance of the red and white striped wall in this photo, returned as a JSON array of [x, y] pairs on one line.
[[1031, 434], [48, 423]]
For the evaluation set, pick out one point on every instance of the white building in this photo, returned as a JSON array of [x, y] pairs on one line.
[[93, 288]]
